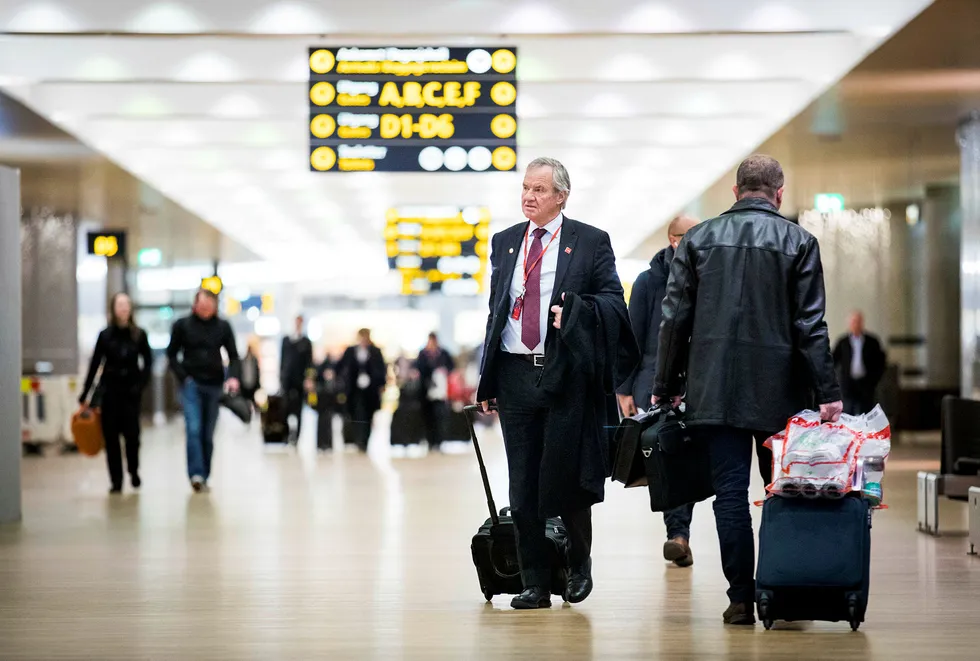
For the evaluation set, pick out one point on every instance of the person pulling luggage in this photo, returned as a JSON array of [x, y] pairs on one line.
[[556, 312], [645, 308], [743, 338]]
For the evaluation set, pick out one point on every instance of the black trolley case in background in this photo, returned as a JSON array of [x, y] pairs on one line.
[[814, 560], [494, 546]]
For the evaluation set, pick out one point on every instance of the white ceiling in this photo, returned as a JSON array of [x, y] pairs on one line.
[[647, 103]]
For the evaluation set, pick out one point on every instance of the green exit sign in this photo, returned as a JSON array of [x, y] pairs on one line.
[[828, 202], [149, 257]]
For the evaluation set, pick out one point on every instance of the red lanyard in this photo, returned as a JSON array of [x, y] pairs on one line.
[[527, 247]]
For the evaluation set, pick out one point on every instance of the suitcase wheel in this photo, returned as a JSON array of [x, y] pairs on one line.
[[852, 611], [488, 595], [764, 613]]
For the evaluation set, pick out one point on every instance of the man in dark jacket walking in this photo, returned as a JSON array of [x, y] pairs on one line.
[[743, 329], [860, 363], [195, 358], [434, 365], [294, 373], [557, 341], [645, 316]]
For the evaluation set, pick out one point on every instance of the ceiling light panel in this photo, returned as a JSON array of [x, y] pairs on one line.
[[436, 17], [610, 58], [219, 124]]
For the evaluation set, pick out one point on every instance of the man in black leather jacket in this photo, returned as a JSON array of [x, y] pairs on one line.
[[743, 330]]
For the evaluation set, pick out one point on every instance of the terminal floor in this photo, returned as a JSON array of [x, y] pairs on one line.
[[295, 555]]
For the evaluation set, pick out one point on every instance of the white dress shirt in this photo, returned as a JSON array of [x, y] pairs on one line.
[[511, 337], [858, 370]]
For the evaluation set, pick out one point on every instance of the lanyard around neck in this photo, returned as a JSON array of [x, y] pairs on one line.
[[534, 264]]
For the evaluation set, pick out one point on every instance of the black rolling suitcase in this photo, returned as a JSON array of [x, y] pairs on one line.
[[275, 428], [407, 424], [494, 546], [814, 560]]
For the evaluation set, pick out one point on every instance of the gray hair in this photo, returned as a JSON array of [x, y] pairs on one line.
[[562, 182]]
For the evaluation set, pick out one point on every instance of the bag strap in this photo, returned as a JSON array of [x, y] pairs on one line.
[[95, 384], [471, 411]]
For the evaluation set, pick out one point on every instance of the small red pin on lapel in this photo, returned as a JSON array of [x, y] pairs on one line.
[[568, 251]]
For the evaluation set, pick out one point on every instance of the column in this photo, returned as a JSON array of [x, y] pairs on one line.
[[10, 345], [941, 302], [968, 137]]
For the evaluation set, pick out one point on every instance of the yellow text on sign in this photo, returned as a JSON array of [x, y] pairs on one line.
[[428, 127], [433, 94], [106, 246]]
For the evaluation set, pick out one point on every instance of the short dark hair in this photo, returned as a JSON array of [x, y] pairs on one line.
[[433, 336], [205, 292], [759, 174]]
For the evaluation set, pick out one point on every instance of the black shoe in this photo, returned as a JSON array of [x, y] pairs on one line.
[[115, 489], [740, 614], [136, 481], [579, 584], [532, 597]]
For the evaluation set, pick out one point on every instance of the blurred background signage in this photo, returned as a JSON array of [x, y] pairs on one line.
[[828, 202], [107, 244], [426, 109], [439, 249], [213, 284]]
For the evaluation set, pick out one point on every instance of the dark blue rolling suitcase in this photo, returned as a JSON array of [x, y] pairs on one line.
[[814, 560]]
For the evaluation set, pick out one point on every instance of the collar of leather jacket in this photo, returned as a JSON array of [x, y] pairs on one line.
[[755, 203]]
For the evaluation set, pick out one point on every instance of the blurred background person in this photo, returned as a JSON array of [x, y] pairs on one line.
[[860, 362], [251, 381], [297, 360], [195, 358], [434, 365], [123, 353], [364, 373], [645, 315], [329, 401]]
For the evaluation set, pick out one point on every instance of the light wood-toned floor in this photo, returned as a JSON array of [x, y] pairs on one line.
[[300, 556]]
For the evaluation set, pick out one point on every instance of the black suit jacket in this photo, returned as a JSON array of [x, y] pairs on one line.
[[586, 265], [583, 361], [646, 312], [297, 358], [872, 354]]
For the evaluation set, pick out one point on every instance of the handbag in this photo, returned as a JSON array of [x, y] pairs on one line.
[[237, 405], [628, 466], [86, 422], [677, 463]]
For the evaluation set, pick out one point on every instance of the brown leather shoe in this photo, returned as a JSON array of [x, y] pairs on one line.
[[740, 614], [678, 551]]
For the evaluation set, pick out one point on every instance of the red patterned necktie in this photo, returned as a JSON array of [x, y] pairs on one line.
[[531, 315]]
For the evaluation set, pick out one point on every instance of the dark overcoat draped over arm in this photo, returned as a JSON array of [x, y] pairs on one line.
[[594, 351]]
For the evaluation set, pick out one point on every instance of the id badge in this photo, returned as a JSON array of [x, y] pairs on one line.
[[518, 308]]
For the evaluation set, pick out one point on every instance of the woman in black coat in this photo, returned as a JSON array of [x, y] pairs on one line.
[[123, 353]]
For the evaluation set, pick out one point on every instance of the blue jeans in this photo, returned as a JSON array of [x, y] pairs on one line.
[[731, 465], [678, 521], [201, 404]]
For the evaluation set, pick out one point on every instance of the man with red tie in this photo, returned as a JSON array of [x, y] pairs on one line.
[[558, 341]]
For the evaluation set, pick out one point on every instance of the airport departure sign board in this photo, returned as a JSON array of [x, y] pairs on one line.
[[413, 109], [439, 249]]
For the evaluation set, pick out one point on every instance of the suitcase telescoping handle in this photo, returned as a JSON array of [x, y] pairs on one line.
[[470, 412]]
